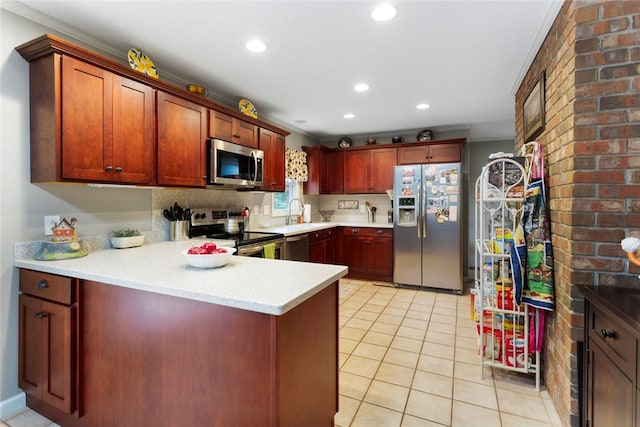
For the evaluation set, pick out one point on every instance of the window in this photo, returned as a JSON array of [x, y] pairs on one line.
[[280, 201]]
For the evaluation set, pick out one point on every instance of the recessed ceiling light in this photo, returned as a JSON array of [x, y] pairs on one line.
[[361, 87], [422, 106], [349, 116], [256, 46], [383, 12]]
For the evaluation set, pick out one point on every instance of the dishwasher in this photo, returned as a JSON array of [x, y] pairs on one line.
[[297, 247]]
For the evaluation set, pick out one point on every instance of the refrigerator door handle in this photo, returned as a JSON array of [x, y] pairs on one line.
[[423, 208], [419, 209]]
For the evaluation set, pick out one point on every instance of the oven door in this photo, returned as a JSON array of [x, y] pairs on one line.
[[257, 250]]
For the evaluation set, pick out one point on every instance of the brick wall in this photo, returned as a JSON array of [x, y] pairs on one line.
[[591, 144]]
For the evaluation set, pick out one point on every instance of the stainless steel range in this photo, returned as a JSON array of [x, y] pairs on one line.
[[227, 226]]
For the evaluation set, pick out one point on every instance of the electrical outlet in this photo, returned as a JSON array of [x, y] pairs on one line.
[[50, 221], [265, 209]]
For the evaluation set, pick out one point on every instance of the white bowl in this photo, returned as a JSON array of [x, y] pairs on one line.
[[209, 260], [127, 242]]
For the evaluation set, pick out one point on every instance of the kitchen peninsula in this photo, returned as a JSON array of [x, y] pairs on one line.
[[156, 342]]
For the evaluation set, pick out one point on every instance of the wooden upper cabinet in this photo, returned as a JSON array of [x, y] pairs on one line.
[[182, 130], [315, 157], [134, 112], [273, 174], [93, 119], [326, 171], [369, 170], [107, 125], [433, 153], [333, 167], [231, 129]]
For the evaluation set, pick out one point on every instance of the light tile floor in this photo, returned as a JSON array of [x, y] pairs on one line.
[[408, 359]]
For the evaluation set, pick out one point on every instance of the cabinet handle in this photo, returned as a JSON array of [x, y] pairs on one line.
[[109, 168], [41, 314], [235, 135], [354, 231], [379, 231], [119, 169], [43, 284], [607, 334]]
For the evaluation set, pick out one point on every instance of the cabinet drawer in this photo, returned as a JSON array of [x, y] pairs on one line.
[[47, 286], [369, 232], [615, 340], [316, 236], [330, 232]]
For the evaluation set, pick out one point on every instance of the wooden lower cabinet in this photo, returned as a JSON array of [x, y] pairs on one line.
[[610, 385], [611, 397], [368, 252], [157, 360], [322, 246], [47, 340]]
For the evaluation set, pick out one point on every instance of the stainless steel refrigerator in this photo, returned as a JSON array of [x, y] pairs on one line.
[[427, 239]]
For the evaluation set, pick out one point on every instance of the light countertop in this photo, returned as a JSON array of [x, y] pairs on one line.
[[256, 284], [293, 229]]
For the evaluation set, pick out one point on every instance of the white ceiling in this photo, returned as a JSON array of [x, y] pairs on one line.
[[465, 58]]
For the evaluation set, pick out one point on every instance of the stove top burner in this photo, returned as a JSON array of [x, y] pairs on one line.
[[210, 223]]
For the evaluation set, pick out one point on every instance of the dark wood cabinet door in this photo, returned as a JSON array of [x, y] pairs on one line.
[[87, 121], [133, 131], [369, 171], [357, 170], [333, 172], [245, 133], [433, 153], [611, 395], [316, 174], [330, 250], [45, 344], [381, 174], [30, 342], [355, 254], [273, 146], [231, 129], [278, 163], [445, 153], [316, 252], [380, 257], [181, 142], [220, 125]]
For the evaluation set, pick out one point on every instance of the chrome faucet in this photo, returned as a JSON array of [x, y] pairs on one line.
[[289, 215]]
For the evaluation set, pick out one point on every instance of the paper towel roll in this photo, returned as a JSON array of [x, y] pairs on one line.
[[306, 212]]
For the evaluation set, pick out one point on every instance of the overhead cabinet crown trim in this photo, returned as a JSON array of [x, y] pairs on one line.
[[48, 44]]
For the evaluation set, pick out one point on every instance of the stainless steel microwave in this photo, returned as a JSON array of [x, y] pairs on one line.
[[233, 164]]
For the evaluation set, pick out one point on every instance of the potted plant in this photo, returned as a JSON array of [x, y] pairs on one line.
[[126, 238]]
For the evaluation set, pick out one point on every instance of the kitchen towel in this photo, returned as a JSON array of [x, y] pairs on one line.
[[269, 251], [306, 212]]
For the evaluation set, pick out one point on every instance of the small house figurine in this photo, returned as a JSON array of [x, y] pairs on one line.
[[65, 231], [64, 244]]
